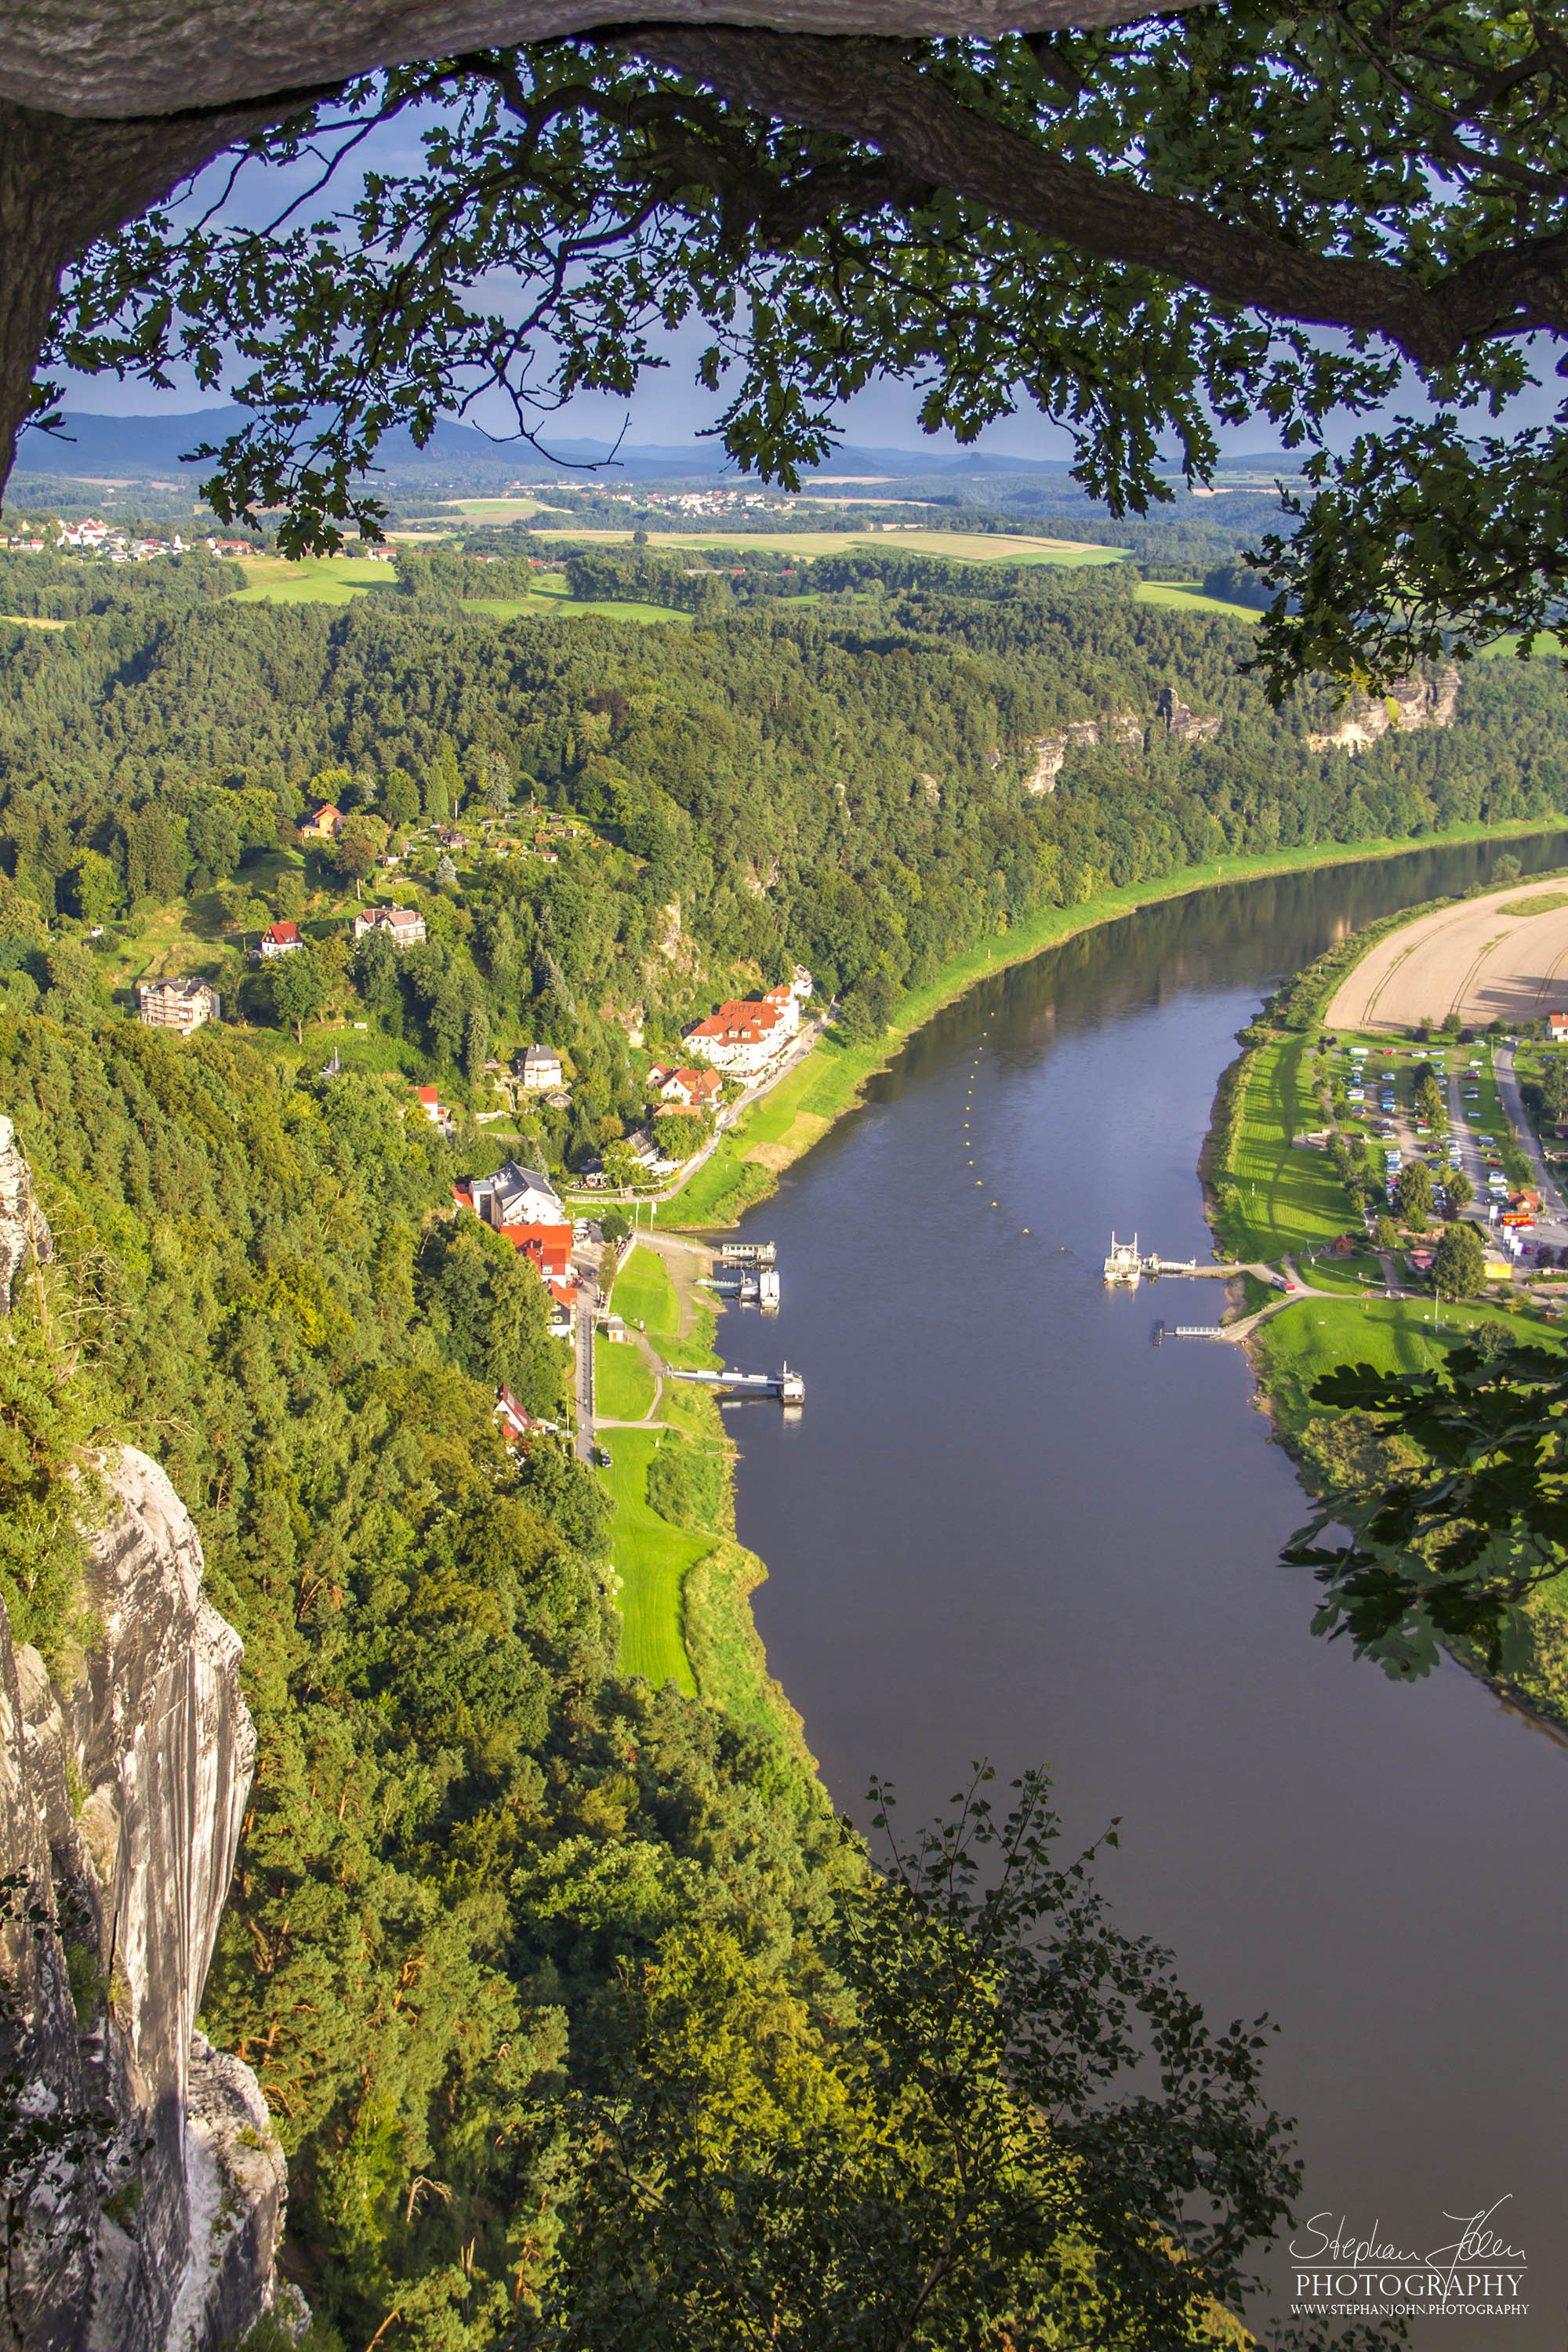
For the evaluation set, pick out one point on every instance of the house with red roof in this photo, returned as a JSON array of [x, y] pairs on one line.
[[280, 939], [743, 1036], [687, 1089], [324, 823], [434, 1108], [549, 1247]]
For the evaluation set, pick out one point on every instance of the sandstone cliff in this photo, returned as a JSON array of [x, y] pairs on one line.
[[143, 2183], [1409, 704], [1124, 727], [1121, 727]]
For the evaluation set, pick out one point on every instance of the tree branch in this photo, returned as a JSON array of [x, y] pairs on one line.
[[865, 91], [62, 185], [124, 57]]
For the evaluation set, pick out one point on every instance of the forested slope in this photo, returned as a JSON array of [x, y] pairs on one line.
[[840, 782], [583, 2022]]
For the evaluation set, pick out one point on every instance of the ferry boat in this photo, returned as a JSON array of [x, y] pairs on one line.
[[1125, 1265]]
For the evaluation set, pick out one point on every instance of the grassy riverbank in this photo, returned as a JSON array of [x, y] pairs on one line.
[[685, 1584], [798, 1111]]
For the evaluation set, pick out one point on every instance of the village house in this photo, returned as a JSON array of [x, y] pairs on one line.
[[741, 1037], [404, 925], [324, 823], [280, 940], [182, 1005], [434, 1108], [1557, 1025], [515, 1195], [539, 1067], [685, 1089], [648, 1154]]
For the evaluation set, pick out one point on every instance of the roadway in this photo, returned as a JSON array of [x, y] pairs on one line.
[[1552, 1226], [587, 1316]]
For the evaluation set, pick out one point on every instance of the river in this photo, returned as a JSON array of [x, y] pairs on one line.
[[1008, 1526]]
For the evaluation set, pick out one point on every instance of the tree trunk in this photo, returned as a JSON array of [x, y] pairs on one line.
[[63, 183]]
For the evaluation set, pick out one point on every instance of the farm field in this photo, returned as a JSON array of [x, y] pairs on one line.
[[314, 580], [498, 509], [1488, 958], [962, 546], [543, 606], [1181, 598]]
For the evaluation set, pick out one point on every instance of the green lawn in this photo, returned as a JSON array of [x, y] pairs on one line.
[[1186, 599], [643, 1293], [623, 1384], [314, 580], [1287, 1200], [1399, 1335], [652, 1560]]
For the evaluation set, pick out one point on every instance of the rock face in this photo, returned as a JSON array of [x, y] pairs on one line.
[[1409, 704], [1182, 723], [24, 1234], [122, 1786], [1122, 726]]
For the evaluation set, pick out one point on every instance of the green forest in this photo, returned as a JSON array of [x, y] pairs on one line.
[[824, 764]]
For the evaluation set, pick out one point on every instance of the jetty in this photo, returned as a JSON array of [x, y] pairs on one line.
[[787, 1386], [1128, 1264], [753, 1285], [746, 1253]]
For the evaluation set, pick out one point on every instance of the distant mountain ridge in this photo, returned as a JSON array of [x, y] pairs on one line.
[[157, 448]]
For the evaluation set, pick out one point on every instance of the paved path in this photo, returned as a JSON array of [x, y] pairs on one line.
[[1304, 1290], [586, 1316]]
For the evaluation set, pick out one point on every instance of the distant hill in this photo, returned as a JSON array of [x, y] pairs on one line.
[[156, 448]]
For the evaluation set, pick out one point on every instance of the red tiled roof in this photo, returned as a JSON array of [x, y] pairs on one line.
[[427, 1094], [550, 1247], [284, 934]]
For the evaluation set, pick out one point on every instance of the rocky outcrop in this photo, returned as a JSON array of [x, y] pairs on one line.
[[1182, 723], [24, 1234], [1124, 727], [1410, 703], [152, 2225]]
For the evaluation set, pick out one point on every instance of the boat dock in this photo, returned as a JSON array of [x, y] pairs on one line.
[[1129, 1264], [787, 1386], [753, 1285], [1163, 1331]]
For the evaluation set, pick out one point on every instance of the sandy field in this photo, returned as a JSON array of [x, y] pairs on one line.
[[1500, 958]]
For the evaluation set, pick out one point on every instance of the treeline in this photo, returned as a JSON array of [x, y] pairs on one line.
[[543, 1971], [50, 587]]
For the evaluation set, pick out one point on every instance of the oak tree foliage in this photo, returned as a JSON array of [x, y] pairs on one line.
[[1219, 214]]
